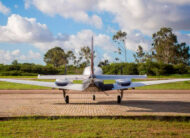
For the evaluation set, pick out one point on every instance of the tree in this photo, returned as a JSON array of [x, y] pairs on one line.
[[164, 45], [57, 57], [69, 56], [140, 55], [15, 62], [182, 54], [103, 63], [85, 54], [120, 38], [166, 48]]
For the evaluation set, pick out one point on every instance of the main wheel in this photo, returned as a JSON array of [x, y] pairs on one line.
[[118, 99], [94, 97], [67, 99]]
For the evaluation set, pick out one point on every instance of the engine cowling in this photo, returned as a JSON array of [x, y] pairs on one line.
[[60, 82], [123, 82]]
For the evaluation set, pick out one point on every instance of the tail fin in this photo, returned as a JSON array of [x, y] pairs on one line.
[[92, 57]]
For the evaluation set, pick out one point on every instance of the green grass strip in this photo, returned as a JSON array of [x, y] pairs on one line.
[[95, 127]]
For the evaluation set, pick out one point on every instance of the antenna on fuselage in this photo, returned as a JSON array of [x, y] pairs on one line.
[[92, 57]]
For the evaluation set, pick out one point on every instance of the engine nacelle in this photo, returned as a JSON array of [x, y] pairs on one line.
[[123, 82], [60, 82]]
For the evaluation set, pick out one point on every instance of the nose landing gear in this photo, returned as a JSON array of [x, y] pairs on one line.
[[94, 97], [119, 97], [66, 97]]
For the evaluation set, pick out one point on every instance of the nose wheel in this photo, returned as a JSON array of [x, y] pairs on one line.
[[66, 97], [94, 97], [119, 97]]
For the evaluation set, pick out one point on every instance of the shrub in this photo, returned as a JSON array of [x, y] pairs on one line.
[[181, 69]]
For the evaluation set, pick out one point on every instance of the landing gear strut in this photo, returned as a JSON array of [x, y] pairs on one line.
[[119, 97], [66, 97], [64, 93]]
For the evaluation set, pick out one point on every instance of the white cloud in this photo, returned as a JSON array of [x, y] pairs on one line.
[[134, 39], [76, 41], [30, 56], [27, 30], [22, 29], [180, 2], [76, 10], [148, 16], [4, 9], [9, 56], [15, 52], [145, 16], [83, 38]]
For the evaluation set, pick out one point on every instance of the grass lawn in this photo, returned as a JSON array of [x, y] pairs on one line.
[[16, 86], [19, 77], [96, 127]]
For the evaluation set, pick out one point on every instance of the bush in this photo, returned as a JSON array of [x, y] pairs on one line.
[[181, 69], [188, 68], [120, 68], [16, 73], [165, 69]]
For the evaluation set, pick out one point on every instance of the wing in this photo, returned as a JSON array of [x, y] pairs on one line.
[[114, 77], [79, 87], [145, 83], [66, 77]]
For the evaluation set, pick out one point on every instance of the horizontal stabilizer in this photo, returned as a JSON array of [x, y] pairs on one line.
[[64, 77], [115, 77]]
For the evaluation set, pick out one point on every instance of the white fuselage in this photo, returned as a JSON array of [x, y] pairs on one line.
[[97, 71]]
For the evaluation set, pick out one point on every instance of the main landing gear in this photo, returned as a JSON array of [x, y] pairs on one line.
[[119, 97], [94, 97], [66, 97]]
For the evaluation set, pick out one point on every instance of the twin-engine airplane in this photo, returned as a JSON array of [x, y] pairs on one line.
[[92, 81]]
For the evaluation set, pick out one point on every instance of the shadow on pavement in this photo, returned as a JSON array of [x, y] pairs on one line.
[[143, 105]]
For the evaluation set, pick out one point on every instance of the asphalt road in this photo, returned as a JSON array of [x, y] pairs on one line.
[[135, 102]]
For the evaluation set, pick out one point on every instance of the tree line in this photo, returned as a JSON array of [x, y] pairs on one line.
[[149, 68]]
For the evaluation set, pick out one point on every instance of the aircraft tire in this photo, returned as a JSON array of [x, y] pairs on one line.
[[118, 99], [67, 99], [94, 97]]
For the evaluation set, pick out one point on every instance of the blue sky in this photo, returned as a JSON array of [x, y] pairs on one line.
[[30, 27]]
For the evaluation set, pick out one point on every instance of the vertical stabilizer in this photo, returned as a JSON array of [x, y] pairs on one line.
[[92, 57]]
